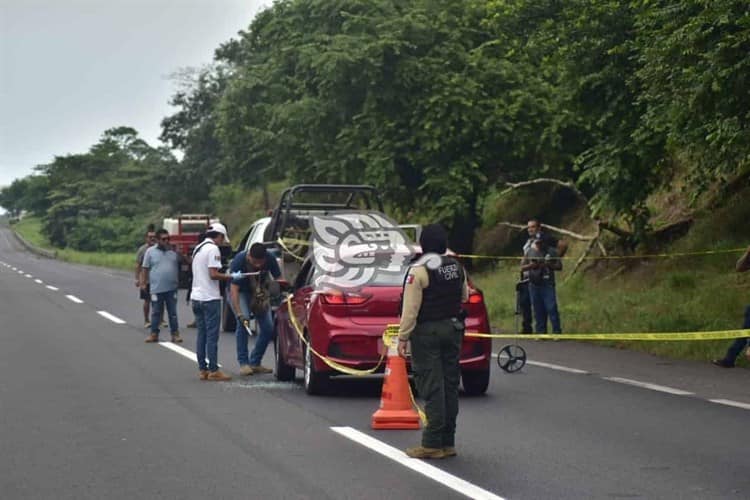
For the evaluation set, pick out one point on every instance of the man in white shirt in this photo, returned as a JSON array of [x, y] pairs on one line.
[[206, 300]]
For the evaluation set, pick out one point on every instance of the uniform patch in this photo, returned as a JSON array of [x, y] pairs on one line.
[[410, 279]]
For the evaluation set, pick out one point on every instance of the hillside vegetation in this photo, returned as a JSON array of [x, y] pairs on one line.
[[641, 107]]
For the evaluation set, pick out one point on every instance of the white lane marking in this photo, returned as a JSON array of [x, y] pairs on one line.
[[28, 276], [53, 288], [75, 299], [181, 351], [21, 272], [111, 317], [729, 402], [558, 367], [453, 482], [39, 281], [653, 387]]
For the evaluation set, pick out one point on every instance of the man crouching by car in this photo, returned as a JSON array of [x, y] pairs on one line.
[[250, 295]]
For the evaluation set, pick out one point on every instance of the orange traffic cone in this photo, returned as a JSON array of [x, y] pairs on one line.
[[396, 410]]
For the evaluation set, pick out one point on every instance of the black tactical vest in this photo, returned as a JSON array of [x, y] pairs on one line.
[[442, 297]]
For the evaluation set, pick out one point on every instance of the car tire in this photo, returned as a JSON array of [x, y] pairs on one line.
[[228, 321], [314, 381], [475, 382], [282, 371]]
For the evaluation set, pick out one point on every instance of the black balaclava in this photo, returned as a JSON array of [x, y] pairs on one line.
[[434, 239]]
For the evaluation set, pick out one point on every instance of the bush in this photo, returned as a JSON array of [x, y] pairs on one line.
[[105, 234]]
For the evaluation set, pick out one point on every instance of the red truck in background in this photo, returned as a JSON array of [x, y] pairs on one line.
[[185, 232]]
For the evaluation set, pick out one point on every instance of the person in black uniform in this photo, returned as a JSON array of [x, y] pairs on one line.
[[432, 320]]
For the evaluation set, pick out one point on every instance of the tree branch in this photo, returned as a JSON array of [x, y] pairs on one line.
[[560, 230], [544, 180]]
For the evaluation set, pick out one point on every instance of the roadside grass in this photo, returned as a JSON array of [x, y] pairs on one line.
[[674, 295], [31, 229]]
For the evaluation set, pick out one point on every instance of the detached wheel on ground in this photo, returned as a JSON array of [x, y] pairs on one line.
[[228, 321], [315, 382], [475, 382], [282, 371]]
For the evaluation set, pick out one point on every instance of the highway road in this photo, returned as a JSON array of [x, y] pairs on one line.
[[88, 410]]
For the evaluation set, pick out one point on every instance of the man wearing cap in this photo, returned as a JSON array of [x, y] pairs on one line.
[[250, 294], [206, 300], [432, 319]]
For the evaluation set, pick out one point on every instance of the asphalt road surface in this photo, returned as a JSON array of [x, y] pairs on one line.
[[87, 410]]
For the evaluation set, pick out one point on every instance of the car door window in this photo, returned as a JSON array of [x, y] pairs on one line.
[[304, 276]]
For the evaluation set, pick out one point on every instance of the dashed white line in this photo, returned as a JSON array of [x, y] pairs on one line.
[[439, 475], [181, 351], [28, 276], [75, 299], [39, 281], [653, 387], [111, 317], [729, 402], [53, 288], [558, 367]]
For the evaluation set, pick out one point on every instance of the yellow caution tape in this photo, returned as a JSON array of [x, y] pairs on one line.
[[388, 337], [286, 249], [614, 257], [330, 362], [292, 241], [658, 337]]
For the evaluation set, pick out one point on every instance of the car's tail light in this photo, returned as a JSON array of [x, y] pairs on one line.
[[475, 297], [344, 299]]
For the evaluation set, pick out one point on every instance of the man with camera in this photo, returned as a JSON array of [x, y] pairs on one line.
[[540, 262]]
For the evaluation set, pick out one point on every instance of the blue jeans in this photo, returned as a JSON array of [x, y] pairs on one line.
[[266, 327], [739, 344], [207, 318], [544, 304], [157, 306]]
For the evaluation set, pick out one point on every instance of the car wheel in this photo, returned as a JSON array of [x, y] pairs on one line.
[[315, 382], [283, 371], [229, 322], [475, 382]]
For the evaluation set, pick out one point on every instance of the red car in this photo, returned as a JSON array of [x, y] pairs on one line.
[[348, 328]]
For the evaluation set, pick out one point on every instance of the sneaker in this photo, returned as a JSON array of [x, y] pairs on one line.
[[218, 376], [260, 369], [147, 324], [449, 451], [723, 363], [191, 324], [246, 370], [164, 324], [203, 375], [422, 452], [152, 338], [176, 339]]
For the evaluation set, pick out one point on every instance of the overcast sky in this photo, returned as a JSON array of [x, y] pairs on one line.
[[70, 69]]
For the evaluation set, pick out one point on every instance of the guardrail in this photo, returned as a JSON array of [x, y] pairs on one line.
[[50, 254]]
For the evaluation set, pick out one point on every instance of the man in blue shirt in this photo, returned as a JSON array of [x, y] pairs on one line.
[[250, 295], [160, 271]]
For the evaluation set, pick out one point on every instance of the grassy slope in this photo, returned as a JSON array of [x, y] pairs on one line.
[[696, 293], [31, 229]]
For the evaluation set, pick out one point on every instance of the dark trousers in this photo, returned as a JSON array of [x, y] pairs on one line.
[[739, 344], [435, 350], [523, 306]]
